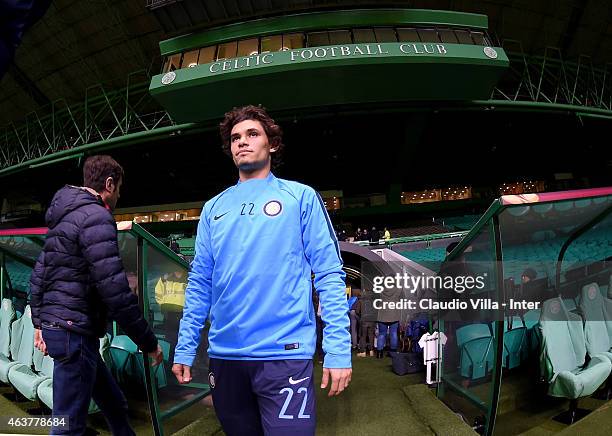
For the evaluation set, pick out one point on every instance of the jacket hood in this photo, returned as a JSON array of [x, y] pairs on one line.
[[66, 200]]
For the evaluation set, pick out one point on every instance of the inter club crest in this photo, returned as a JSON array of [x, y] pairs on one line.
[[273, 208]]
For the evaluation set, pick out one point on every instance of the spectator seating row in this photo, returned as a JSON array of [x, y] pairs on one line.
[[430, 258]]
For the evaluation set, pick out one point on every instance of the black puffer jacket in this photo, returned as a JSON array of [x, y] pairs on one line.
[[79, 276]]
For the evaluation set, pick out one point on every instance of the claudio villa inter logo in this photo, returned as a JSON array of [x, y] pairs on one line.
[[273, 208]]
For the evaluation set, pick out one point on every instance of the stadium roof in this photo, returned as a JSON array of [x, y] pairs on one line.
[[78, 44]]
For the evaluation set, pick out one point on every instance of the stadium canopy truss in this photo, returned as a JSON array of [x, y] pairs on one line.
[[105, 102]]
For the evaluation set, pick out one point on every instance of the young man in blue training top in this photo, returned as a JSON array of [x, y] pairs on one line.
[[257, 244]]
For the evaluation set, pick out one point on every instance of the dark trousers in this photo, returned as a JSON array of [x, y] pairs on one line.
[[367, 329], [79, 374], [382, 335], [354, 327], [171, 329], [264, 397]]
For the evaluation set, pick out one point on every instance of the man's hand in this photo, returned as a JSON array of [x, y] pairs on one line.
[[156, 356], [340, 379], [39, 341], [182, 373]]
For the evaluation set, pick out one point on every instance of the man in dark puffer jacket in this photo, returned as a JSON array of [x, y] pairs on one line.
[[78, 278]]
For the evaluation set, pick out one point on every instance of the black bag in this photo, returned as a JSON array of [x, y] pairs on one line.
[[407, 363]]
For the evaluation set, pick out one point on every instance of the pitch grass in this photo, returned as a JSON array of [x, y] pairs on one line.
[[374, 404]]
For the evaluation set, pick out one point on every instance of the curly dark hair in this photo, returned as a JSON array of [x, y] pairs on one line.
[[255, 113], [98, 168]]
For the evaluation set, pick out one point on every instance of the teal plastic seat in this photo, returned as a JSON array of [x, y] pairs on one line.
[[570, 304], [25, 375], [531, 319], [563, 354], [586, 202], [22, 330], [475, 343], [122, 349], [563, 206], [515, 342], [45, 388], [27, 379], [543, 208], [518, 210], [160, 373], [597, 314], [7, 316], [128, 361]]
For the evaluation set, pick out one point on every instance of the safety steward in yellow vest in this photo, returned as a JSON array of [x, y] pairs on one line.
[[170, 291]]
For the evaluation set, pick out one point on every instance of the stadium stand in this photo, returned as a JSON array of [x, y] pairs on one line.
[[465, 222], [419, 231]]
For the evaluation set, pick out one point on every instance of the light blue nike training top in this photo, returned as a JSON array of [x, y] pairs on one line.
[[256, 246]]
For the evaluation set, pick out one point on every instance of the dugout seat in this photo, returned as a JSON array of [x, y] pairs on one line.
[[7, 316], [515, 342], [21, 345], [563, 358], [475, 344], [26, 379], [128, 363], [596, 311]]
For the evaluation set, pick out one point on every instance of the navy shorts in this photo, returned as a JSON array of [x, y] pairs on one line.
[[263, 397]]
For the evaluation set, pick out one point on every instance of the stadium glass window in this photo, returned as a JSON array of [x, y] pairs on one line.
[[363, 35], [428, 35], [448, 36], [464, 37], [408, 35], [190, 59], [478, 38], [340, 37], [426, 196], [173, 62], [385, 35], [457, 193], [317, 39], [207, 54], [293, 40], [248, 47], [271, 43], [227, 50]]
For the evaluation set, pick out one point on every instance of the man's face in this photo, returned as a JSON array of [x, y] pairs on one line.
[[249, 146]]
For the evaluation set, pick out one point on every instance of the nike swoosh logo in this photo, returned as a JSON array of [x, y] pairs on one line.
[[295, 382], [216, 217]]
